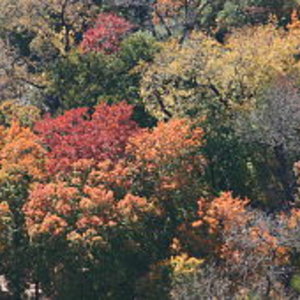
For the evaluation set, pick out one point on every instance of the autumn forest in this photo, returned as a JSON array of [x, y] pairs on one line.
[[149, 149]]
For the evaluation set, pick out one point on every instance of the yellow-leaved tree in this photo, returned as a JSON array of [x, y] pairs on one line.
[[185, 79]]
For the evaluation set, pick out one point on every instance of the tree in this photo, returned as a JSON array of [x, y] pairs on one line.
[[253, 256], [11, 86], [36, 33], [22, 162], [180, 17], [222, 83], [105, 194], [79, 135], [106, 35], [203, 70], [272, 124], [89, 220], [11, 111], [167, 160], [56, 23], [85, 79]]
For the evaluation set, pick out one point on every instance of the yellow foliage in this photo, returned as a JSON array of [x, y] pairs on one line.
[[183, 264], [171, 84], [26, 115], [253, 57], [37, 17], [185, 78]]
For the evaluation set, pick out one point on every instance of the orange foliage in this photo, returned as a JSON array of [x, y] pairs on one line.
[[226, 214], [165, 142], [97, 198], [222, 213], [59, 208], [131, 207], [47, 207], [96, 195], [21, 152], [54, 207], [261, 242], [293, 219], [114, 174], [170, 150]]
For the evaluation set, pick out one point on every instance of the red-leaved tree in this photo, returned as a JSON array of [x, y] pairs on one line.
[[78, 135], [107, 34]]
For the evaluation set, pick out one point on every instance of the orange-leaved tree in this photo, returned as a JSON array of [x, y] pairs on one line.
[[112, 182], [251, 248], [22, 161]]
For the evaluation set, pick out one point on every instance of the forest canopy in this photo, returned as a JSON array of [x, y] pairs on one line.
[[149, 149]]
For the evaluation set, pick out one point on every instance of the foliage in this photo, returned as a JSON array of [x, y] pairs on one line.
[[54, 24], [106, 34], [11, 111], [182, 79], [147, 149], [107, 198], [181, 17], [21, 153], [79, 135], [35, 33], [272, 124], [22, 161], [137, 48], [85, 79], [223, 83], [245, 241]]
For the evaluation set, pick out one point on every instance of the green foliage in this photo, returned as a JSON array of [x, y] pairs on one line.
[[140, 46], [85, 79], [295, 282]]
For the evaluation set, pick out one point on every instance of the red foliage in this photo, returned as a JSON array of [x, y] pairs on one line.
[[106, 34], [77, 135]]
